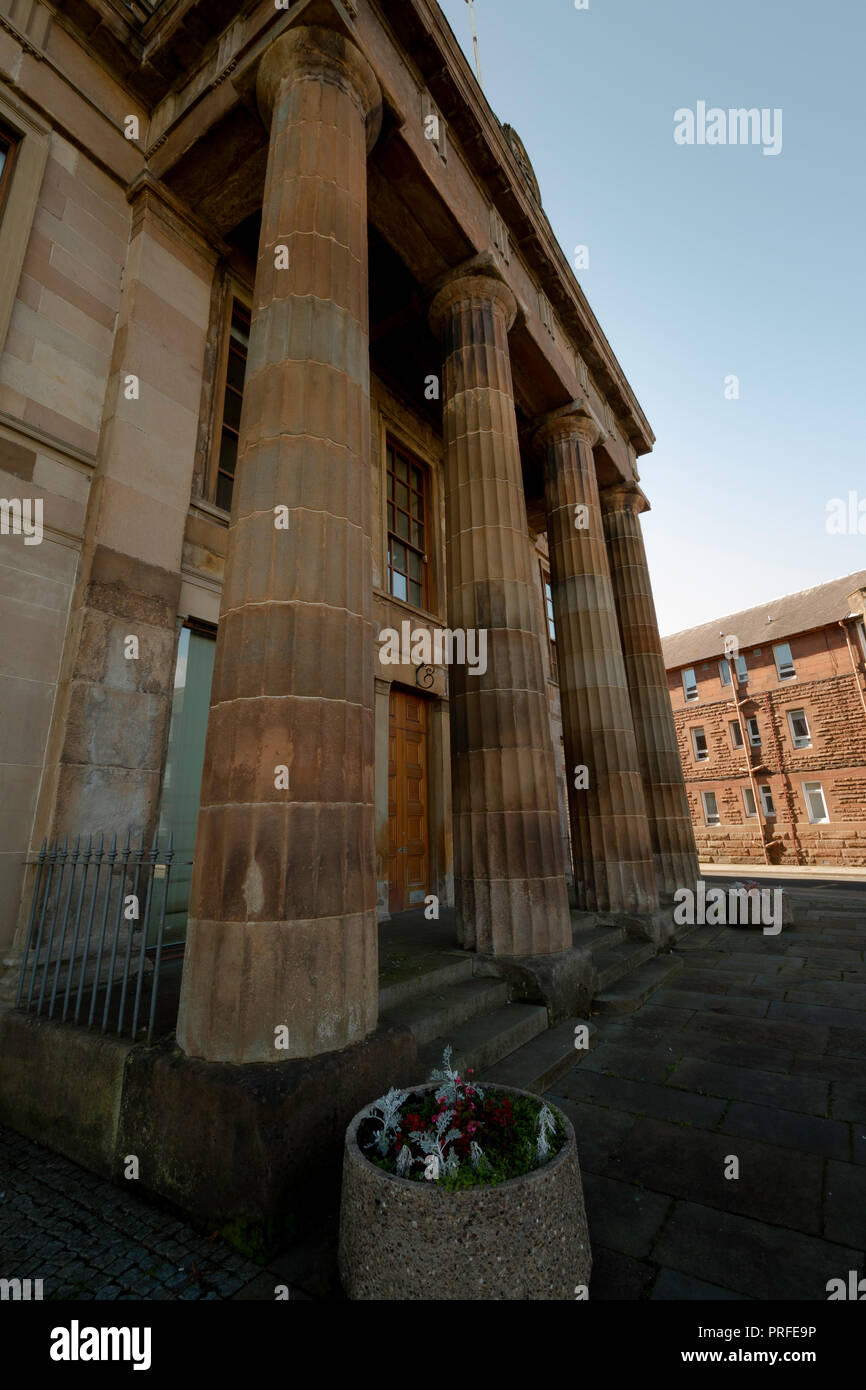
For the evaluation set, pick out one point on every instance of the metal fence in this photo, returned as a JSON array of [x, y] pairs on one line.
[[95, 935]]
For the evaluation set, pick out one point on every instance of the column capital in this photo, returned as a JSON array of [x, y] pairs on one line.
[[624, 497], [480, 278], [577, 419], [324, 53]]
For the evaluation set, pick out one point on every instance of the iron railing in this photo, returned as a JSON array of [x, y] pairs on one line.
[[96, 932]]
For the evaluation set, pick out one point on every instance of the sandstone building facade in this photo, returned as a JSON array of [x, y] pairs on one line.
[[291, 359], [772, 728]]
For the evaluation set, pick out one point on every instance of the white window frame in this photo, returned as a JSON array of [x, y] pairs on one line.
[[725, 670], [736, 734], [782, 671], [690, 691], [799, 741], [748, 795], [767, 802], [699, 756], [811, 789], [755, 739], [716, 813], [861, 633]]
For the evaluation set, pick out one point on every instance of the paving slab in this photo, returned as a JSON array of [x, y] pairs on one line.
[[819, 1016], [763, 1088], [845, 1203], [710, 1003], [808, 1133], [599, 1130], [623, 1216], [671, 1286], [775, 1184], [751, 1257], [661, 1101], [637, 1063], [618, 1278], [849, 1101]]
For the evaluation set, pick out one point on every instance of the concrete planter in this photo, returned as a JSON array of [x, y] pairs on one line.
[[522, 1239]]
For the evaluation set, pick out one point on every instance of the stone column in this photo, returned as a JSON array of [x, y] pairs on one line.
[[671, 833], [283, 900], [510, 890], [613, 868]]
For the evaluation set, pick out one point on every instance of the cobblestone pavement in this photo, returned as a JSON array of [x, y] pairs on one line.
[[86, 1238], [756, 1049]]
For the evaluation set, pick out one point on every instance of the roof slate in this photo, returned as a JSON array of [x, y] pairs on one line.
[[793, 613]]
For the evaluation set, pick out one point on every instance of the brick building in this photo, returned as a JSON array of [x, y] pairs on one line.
[[291, 358], [771, 723]]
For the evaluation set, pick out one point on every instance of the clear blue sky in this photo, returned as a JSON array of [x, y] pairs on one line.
[[707, 261]]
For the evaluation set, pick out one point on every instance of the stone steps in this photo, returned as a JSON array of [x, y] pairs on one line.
[[632, 990], [440, 1013], [615, 962], [483, 1041], [422, 975], [538, 1064]]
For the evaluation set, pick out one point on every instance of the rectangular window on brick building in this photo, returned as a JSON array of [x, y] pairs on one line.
[[784, 662], [229, 402], [690, 684], [736, 733], [711, 808], [861, 633], [407, 527], [767, 801], [699, 743], [725, 671], [815, 803], [551, 626], [799, 726], [754, 731], [749, 801]]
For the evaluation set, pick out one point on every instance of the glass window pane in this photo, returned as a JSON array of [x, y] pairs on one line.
[[402, 470], [224, 492], [390, 484], [403, 525], [417, 535], [398, 556], [398, 584], [237, 367], [390, 516], [417, 505], [403, 496], [415, 594], [232, 408], [228, 453], [414, 566], [417, 480]]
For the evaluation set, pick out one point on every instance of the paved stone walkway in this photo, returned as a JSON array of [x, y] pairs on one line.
[[756, 1049], [88, 1239]]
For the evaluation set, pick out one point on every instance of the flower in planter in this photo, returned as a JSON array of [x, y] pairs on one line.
[[546, 1125]]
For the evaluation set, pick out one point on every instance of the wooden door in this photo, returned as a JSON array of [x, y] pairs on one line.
[[408, 855]]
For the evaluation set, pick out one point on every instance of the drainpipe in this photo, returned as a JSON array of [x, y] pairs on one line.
[[844, 627], [747, 750]]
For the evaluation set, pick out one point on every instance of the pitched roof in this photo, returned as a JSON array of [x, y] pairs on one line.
[[793, 613]]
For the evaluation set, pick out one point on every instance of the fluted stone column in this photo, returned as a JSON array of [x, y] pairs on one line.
[[510, 886], [671, 833], [613, 868], [283, 902]]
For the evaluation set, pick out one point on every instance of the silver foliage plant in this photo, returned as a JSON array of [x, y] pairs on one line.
[[546, 1125], [448, 1163], [387, 1110], [451, 1077]]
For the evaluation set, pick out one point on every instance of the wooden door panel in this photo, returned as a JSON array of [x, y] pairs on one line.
[[408, 855]]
